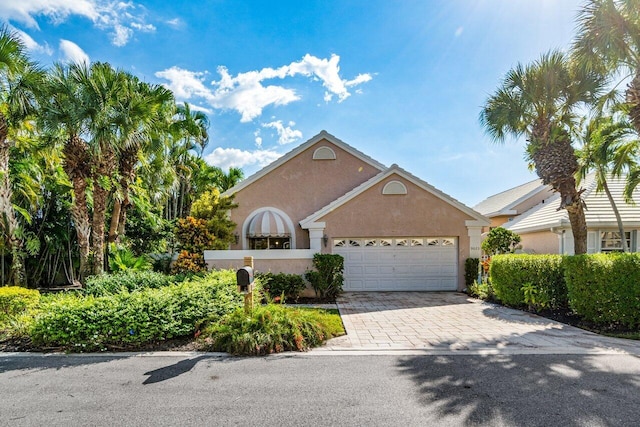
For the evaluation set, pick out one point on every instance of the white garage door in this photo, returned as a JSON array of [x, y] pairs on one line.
[[399, 264]]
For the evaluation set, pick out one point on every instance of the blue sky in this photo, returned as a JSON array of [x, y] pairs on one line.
[[402, 81]]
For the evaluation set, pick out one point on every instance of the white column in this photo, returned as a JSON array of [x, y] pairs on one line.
[[316, 233], [475, 239]]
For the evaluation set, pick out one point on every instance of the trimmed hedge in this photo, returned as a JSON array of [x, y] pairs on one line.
[[125, 320], [534, 280], [605, 288]]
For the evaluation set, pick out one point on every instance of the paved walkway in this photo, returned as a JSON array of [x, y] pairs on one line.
[[445, 322]]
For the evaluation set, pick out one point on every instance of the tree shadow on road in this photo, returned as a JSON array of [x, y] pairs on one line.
[[171, 371], [529, 390]]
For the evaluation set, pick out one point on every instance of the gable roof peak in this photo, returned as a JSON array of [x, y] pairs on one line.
[[300, 149]]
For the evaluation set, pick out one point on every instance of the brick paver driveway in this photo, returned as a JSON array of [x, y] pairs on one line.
[[452, 322]]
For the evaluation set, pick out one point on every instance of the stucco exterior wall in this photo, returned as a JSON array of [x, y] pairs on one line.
[[301, 186], [418, 213], [542, 242]]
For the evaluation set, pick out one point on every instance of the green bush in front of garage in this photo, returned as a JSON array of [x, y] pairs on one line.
[[605, 288], [327, 280], [536, 281]]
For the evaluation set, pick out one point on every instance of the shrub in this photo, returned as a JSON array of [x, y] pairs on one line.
[[481, 290], [189, 262], [289, 285], [605, 288], [327, 281], [15, 300], [543, 274], [129, 280], [123, 259], [471, 266], [271, 329], [500, 241], [126, 320]]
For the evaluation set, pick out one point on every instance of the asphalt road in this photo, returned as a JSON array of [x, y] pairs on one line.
[[318, 390]]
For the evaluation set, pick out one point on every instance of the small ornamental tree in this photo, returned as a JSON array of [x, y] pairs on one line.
[[208, 227], [500, 241]]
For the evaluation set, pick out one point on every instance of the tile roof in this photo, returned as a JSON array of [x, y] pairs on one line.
[[598, 211], [503, 203]]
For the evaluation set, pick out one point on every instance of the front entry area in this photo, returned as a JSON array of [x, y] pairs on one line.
[[399, 264]]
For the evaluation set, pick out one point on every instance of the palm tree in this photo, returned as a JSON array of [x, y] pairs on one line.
[[19, 79], [190, 130], [148, 110], [101, 91], [608, 151], [538, 101], [609, 41], [63, 116], [225, 181]]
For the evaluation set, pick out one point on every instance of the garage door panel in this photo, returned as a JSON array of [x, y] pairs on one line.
[[401, 268]]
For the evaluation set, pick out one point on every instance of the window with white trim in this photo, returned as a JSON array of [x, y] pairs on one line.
[[610, 241]]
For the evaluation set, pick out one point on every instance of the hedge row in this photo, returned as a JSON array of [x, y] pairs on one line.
[[88, 323], [535, 280], [605, 288], [602, 288]]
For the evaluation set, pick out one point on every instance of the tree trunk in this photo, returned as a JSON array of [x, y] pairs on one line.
[[571, 200], [76, 164], [100, 197], [625, 247], [115, 221], [80, 215], [9, 220]]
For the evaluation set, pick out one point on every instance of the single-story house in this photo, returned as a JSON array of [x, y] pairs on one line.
[[544, 228], [395, 231]]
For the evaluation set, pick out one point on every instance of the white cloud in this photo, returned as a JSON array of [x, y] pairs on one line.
[[246, 92], [121, 35], [258, 138], [175, 22], [118, 17], [72, 52], [31, 44], [459, 31], [286, 134], [226, 158]]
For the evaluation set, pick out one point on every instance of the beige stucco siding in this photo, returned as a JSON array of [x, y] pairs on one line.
[[301, 186], [418, 213], [542, 242]]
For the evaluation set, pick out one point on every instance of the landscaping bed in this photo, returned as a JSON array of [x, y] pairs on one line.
[[150, 312]]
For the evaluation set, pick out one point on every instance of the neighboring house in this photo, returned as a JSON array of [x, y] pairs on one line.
[[546, 229], [507, 205], [395, 231]]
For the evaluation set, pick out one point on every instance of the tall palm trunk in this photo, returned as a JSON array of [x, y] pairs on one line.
[[104, 168], [556, 163], [605, 186], [573, 203], [128, 159], [76, 165], [9, 220]]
